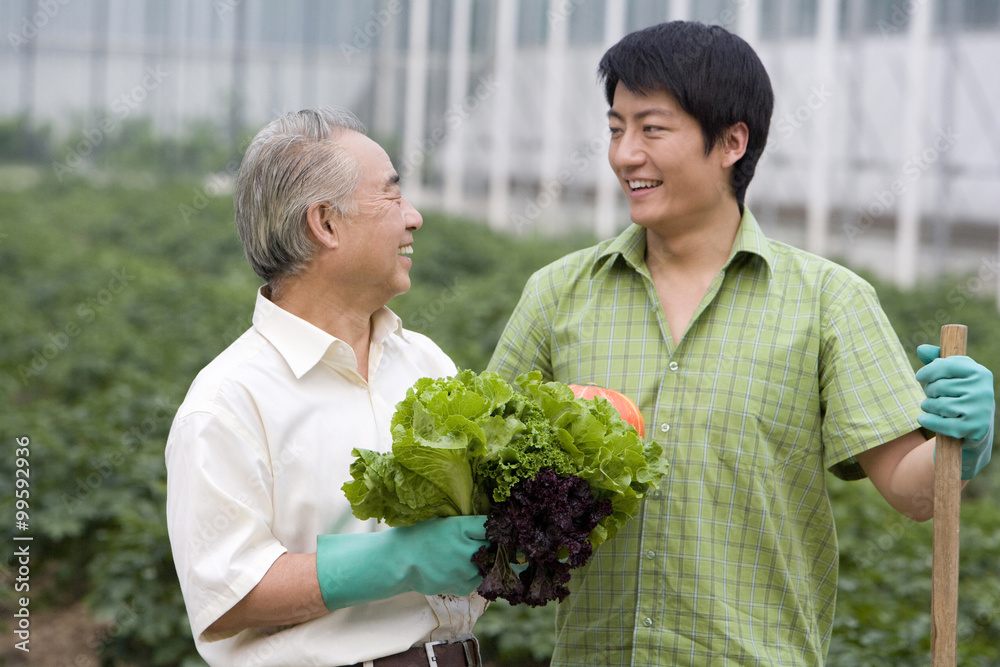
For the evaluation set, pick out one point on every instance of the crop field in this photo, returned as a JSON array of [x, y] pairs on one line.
[[122, 280]]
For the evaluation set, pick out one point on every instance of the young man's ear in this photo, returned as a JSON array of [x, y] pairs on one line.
[[734, 143], [322, 222]]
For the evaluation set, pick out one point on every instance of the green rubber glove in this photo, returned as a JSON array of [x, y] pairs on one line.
[[959, 403], [430, 557]]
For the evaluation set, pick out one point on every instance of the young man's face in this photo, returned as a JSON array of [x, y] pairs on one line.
[[658, 153]]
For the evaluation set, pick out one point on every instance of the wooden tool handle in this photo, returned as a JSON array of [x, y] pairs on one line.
[[947, 506]]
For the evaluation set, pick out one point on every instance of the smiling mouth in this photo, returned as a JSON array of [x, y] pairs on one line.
[[643, 185], [405, 250]]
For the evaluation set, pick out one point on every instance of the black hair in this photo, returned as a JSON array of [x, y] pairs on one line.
[[715, 76]]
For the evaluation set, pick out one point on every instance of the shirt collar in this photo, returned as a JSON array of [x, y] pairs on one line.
[[303, 345], [631, 245], [749, 241]]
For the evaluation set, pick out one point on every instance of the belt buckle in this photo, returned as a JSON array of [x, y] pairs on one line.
[[429, 649]]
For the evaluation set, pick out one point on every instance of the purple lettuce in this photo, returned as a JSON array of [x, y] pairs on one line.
[[545, 525]]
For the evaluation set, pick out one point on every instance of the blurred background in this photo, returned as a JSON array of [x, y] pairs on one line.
[[122, 124], [884, 149]]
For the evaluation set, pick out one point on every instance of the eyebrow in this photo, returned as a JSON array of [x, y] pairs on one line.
[[392, 180], [654, 111]]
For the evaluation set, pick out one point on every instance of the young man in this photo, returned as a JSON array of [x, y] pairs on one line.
[[274, 568], [757, 366]]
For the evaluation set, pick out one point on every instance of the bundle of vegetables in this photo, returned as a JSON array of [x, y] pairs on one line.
[[556, 475]]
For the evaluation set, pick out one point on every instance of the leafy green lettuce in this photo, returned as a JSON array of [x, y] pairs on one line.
[[461, 443]]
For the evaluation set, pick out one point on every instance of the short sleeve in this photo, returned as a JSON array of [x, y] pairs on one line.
[[523, 345], [219, 514], [869, 393]]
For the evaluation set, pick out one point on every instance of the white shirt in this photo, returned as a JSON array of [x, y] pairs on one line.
[[256, 459]]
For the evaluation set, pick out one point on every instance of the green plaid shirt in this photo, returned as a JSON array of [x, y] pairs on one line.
[[789, 367]]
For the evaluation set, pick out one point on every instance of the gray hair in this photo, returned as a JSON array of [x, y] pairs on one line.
[[294, 162]]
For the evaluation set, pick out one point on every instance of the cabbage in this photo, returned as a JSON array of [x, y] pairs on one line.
[[474, 444]]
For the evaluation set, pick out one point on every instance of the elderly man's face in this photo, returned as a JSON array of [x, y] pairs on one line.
[[378, 242]]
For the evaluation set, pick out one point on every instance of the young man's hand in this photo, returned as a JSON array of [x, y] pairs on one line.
[[959, 403]]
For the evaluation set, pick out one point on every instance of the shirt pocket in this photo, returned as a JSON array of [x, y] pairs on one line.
[[772, 413]]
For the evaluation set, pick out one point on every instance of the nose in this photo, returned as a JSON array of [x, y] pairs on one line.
[[626, 151], [411, 215]]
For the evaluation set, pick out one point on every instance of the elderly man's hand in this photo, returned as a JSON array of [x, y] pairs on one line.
[[431, 557], [959, 404]]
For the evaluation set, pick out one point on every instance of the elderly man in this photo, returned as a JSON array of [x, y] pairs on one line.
[[274, 568]]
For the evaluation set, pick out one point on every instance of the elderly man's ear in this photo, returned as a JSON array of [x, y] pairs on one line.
[[322, 223]]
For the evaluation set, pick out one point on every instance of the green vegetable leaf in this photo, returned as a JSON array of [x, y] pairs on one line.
[[389, 492], [446, 468], [462, 444]]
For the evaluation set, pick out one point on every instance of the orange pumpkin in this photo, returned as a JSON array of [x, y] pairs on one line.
[[626, 408]]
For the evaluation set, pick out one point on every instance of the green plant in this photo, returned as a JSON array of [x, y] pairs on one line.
[[119, 295], [122, 295]]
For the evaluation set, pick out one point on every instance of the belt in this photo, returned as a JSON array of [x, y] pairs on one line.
[[433, 654]]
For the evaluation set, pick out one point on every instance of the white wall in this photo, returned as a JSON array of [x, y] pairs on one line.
[[184, 60]]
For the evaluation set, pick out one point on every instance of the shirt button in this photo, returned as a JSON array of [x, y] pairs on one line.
[[647, 622], [650, 555], [657, 495], [664, 427], [674, 365]]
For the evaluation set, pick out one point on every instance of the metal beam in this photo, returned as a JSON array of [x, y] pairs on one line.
[[908, 214]]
